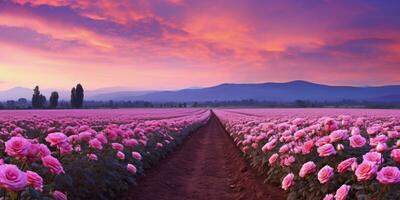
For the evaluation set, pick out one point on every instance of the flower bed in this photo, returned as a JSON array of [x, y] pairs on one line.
[[312, 156], [91, 155]]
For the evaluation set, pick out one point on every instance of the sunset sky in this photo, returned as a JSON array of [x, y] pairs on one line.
[[170, 44]]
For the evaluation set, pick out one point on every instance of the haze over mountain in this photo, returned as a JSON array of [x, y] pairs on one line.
[[289, 91]]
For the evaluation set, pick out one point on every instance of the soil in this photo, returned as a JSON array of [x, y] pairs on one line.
[[206, 166]]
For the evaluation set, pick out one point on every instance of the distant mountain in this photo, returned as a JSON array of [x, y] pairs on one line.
[[290, 91]]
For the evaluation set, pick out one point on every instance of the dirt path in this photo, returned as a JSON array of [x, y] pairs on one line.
[[207, 166]]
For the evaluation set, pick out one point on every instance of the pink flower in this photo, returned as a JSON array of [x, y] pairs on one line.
[[307, 168], [357, 141], [287, 182], [329, 197], [323, 140], [131, 168], [325, 174], [330, 124], [17, 147], [35, 180], [342, 192], [269, 146], [130, 142], [56, 138], [326, 150], [374, 157], [95, 144], [338, 135], [120, 155], [273, 158], [284, 149], [395, 154], [53, 164], [307, 147], [11, 178], [381, 147], [117, 146], [59, 195], [44, 150], [92, 156], [388, 175], [86, 135], [346, 165], [366, 170], [136, 155]]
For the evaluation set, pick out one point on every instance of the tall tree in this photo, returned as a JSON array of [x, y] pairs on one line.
[[54, 99], [36, 98], [73, 97], [79, 95]]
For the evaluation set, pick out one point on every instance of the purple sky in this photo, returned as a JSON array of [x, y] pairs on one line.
[[169, 44]]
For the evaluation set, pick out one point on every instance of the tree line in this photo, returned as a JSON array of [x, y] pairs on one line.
[[39, 100]]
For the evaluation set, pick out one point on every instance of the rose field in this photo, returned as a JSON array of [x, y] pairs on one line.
[[200, 154], [321, 153]]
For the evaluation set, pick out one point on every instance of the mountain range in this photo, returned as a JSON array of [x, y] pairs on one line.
[[288, 91]]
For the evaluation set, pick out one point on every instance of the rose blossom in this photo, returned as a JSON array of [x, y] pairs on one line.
[[269, 146], [273, 158], [120, 155], [325, 174], [366, 170], [381, 147], [326, 150], [307, 168], [92, 156], [59, 195], [117, 146], [307, 147], [338, 135], [328, 197], [35, 180], [357, 141], [131, 168], [95, 144], [388, 175], [53, 164], [136, 155], [12, 178], [56, 138], [346, 165], [342, 192], [374, 157], [287, 182], [17, 147], [395, 154]]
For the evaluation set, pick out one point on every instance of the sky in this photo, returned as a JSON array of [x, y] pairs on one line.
[[171, 44]]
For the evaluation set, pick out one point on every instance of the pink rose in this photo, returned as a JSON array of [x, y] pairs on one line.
[[287, 182], [117, 146], [269, 146], [59, 195], [130, 142], [346, 165], [395, 154], [273, 158], [330, 124], [366, 170], [326, 150], [338, 135], [92, 156], [11, 178], [325, 174], [131, 168], [35, 180], [388, 175], [17, 147], [357, 141], [53, 164], [329, 197], [102, 138], [136, 155], [374, 157], [56, 138], [95, 144], [307, 147], [85, 136], [44, 150], [120, 155], [381, 147], [342, 192], [323, 140], [284, 149], [307, 168]]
